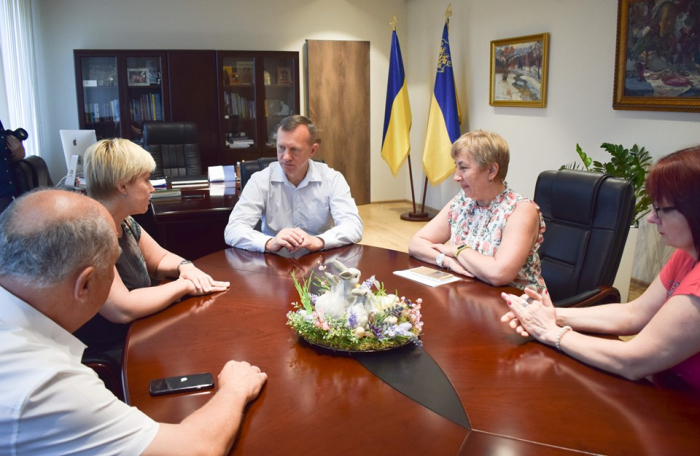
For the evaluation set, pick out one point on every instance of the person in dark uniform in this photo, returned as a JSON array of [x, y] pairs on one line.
[[11, 150]]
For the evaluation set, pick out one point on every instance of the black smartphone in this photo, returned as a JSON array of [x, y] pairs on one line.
[[181, 383]]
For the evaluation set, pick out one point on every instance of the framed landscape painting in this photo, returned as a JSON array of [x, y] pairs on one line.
[[519, 71], [657, 66]]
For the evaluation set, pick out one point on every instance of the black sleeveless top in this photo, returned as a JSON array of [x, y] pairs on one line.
[[99, 334]]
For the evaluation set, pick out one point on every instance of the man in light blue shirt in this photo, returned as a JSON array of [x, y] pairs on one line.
[[303, 205]]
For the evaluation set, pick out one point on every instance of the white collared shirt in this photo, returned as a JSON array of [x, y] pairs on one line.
[[50, 403], [321, 205]]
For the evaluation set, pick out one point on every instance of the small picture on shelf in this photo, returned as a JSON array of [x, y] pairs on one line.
[[245, 72], [138, 76], [284, 76], [230, 76]]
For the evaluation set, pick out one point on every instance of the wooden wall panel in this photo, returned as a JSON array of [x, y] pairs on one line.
[[338, 102], [194, 98]]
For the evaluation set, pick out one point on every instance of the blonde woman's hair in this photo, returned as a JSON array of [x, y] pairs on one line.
[[111, 160], [485, 148]]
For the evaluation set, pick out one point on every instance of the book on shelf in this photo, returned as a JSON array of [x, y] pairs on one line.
[[428, 276]]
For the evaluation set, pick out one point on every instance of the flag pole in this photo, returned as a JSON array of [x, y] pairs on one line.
[[413, 216], [416, 216], [448, 13]]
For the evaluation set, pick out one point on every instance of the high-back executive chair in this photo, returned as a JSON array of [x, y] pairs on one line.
[[588, 216], [174, 148], [29, 173], [248, 168]]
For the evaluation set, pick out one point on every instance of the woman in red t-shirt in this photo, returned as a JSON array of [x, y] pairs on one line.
[[665, 319]]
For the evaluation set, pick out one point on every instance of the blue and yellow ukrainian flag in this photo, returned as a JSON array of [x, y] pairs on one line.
[[397, 115], [444, 119]]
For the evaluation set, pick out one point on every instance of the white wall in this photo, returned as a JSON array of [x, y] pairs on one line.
[[581, 67], [579, 99], [64, 25]]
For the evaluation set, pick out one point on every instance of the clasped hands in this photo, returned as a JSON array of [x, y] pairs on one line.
[[451, 262], [202, 283], [532, 314], [294, 239]]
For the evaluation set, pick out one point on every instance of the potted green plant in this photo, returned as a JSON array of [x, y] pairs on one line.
[[631, 164]]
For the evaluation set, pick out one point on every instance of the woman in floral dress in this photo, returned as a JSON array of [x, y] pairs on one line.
[[492, 236]]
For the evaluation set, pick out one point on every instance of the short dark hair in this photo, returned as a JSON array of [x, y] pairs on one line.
[[291, 123], [675, 180], [44, 254]]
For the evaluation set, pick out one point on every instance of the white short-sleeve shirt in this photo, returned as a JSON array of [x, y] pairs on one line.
[[50, 403]]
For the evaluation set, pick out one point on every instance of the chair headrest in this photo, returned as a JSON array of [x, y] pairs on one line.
[[572, 194], [169, 133]]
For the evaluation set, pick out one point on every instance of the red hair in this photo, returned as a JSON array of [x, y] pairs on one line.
[[675, 180]]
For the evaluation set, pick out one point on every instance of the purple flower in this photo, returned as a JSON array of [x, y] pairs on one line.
[[352, 320]]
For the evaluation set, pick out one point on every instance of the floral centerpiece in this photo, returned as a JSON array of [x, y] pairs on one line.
[[348, 315]]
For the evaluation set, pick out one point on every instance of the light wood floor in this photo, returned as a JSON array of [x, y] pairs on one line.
[[383, 227]]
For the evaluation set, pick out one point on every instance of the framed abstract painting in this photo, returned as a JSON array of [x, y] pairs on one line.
[[657, 64]]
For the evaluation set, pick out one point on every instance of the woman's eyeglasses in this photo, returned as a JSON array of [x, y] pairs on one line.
[[660, 211]]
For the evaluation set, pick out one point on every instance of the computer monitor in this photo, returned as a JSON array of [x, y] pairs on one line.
[[75, 143]]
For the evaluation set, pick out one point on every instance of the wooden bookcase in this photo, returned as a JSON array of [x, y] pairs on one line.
[[119, 90], [236, 98], [257, 90]]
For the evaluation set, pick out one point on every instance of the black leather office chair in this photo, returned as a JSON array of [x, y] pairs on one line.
[[264, 162], [174, 148], [248, 168], [29, 173], [253, 166], [588, 216]]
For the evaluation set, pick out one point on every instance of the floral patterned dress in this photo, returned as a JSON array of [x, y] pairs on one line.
[[481, 228]]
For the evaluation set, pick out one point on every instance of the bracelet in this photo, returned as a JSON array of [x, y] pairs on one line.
[[460, 249], [562, 331], [183, 262]]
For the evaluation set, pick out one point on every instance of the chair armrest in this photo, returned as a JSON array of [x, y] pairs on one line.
[[601, 295], [109, 375]]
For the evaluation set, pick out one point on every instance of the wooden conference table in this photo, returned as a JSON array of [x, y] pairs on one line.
[[521, 398]]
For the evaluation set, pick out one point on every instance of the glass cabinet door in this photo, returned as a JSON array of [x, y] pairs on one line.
[[239, 104], [144, 93], [100, 87], [280, 92]]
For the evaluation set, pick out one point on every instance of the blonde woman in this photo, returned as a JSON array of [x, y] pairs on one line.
[[118, 176]]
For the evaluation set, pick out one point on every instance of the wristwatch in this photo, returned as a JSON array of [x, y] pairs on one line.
[[183, 262], [440, 258]]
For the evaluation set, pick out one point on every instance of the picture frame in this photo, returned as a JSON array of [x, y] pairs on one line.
[[138, 76], [656, 64], [230, 75], [284, 76], [519, 71], [246, 72]]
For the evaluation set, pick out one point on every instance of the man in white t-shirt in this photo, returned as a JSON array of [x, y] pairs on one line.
[[57, 256]]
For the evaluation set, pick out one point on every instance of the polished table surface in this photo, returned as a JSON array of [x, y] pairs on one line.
[[521, 398]]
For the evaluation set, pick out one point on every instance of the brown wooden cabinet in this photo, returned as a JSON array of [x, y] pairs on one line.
[[119, 90], [257, 90], [236, 98]]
